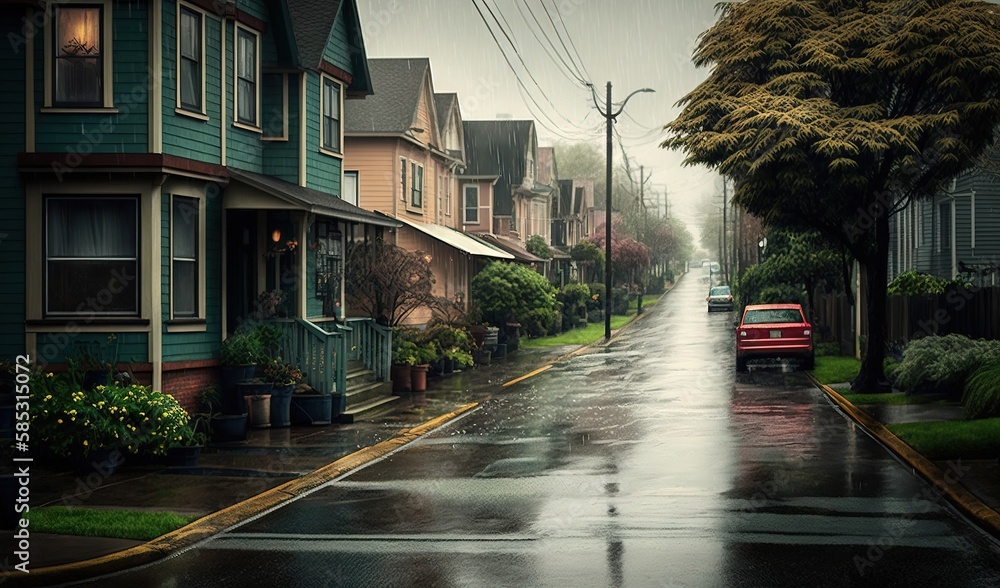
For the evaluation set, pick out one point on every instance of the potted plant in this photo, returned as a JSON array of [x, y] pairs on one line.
[[215, 425], [239, 354], [310, 407], [423, 355], [185, 449], [284, 377], [404, 357]]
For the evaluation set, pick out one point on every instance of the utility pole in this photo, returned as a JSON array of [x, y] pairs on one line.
[[645, 231], [610, 118], [725, 196]]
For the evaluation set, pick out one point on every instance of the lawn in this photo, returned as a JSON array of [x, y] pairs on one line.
[[834, 369], [889, 398], [593, 332], [979, 439], [121, 524]]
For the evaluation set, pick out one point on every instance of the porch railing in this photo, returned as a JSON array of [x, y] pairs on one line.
[[320, 353], [371, 344]]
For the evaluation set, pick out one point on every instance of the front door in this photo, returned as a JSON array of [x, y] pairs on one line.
[[241, 266]]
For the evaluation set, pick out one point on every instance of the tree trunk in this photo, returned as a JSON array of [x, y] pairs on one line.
[[872, 378]]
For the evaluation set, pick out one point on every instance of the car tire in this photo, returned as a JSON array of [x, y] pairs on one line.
[[808, 363], [741, 364]]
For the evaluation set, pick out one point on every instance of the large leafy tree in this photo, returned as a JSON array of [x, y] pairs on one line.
[[835, 114], [628, 256]]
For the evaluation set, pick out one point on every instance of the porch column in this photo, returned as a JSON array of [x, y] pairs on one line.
[[302, 230]]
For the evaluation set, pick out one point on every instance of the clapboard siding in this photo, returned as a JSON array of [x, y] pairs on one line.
[[12, 233]]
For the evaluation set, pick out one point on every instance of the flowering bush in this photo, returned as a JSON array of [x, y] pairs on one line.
[[70, 421]]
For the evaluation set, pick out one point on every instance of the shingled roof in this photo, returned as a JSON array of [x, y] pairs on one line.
[[312, 22], [393, 107], [498, 148]]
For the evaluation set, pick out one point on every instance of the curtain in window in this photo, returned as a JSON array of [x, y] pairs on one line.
[[190, 66], [185, 253], [91, 255], [247, 74], [331, 115], [78, 56], [349, 191]]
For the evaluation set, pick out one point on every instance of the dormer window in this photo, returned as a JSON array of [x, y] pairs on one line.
[[78, 56]]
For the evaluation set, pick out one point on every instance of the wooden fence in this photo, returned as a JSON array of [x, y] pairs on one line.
[[973, 312]]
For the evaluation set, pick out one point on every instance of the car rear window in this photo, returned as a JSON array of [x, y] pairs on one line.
[[774, 315], [719, 292]]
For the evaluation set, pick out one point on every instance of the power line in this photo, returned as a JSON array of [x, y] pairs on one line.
[[565, 68], [525, 65], [559, 35]]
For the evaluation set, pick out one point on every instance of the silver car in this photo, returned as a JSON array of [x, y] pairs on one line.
[[720, 298]]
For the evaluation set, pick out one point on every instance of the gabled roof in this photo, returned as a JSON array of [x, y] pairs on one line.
[[398, 83], [312, 24], [498, 148], [447, 108], [443, 103]]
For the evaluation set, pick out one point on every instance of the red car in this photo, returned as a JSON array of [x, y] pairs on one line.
[[773, 331]]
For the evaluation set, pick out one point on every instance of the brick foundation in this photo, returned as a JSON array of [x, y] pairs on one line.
[[184, 380]]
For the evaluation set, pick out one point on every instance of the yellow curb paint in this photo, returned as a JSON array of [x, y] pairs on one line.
[[228, 517], [528, 375], [956, 493]]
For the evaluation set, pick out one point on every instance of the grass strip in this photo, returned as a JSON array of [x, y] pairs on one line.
[[834, 369], [979, 439], [119, 524], [591, 333], [894, 398]]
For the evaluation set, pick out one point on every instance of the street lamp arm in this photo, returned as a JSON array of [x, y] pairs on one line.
[[624, 102], [597, 103]]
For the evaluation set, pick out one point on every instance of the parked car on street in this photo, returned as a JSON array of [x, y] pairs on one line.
[[720, 298], [768, 331]]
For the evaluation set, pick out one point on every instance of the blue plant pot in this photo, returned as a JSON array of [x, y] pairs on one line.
[[312, 409], [281, 406]]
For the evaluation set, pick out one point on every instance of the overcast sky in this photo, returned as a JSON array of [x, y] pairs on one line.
[[631, 43]]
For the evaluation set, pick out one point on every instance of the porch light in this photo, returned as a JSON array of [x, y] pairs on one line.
[[276, 236]]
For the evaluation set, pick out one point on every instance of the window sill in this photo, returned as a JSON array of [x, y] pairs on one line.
[[192, 114], [84, 110], [193, 325], [331, 153], [414, 210], [275, 139], [248, 127], [87, 323]]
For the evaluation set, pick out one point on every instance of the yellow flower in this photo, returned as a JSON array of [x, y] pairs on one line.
[[85, 442], [49, 375], [59, 421]]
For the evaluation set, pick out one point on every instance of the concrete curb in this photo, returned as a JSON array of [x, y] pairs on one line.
[[228, 517], [945, 484]]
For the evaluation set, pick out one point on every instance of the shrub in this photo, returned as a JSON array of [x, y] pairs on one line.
[[574, 298], [780, 294], [619, 301], [657, 284], [508, 292], [942, 363], [134, 418], [280, 373], [981, 397], [668, 275], [912, 282], [241, 348], [596, 301]]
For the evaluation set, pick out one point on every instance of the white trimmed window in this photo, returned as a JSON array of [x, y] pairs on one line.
[[190, 60], [417, 185], [471, 204], [330, 129], [184, 246], [349, 191], [247, 74], [91, 256], [78, 56]]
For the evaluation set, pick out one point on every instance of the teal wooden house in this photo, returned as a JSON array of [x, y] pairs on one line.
[[168, 170]]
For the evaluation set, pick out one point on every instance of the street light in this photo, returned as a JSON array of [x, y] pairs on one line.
[[610, 116]]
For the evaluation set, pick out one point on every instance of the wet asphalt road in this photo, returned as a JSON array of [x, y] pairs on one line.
[[648, 463]]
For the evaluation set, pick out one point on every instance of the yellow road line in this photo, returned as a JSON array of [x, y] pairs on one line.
[[527, 375]]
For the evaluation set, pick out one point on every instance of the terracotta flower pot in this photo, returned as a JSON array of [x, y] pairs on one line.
[[418, 378]]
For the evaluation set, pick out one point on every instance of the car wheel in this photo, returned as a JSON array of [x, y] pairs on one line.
[[741, 364], [808, 363]]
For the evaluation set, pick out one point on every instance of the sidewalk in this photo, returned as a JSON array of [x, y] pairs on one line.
[[230, 474]]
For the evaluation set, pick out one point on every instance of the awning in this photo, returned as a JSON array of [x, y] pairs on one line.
[[515, 249], [295, 197], [458, 240]]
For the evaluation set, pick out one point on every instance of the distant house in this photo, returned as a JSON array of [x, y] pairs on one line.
[[405, 149], [956, 233], [163, 164], [504, 153]]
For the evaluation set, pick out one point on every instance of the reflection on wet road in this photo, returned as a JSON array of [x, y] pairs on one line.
[[648, 463]]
